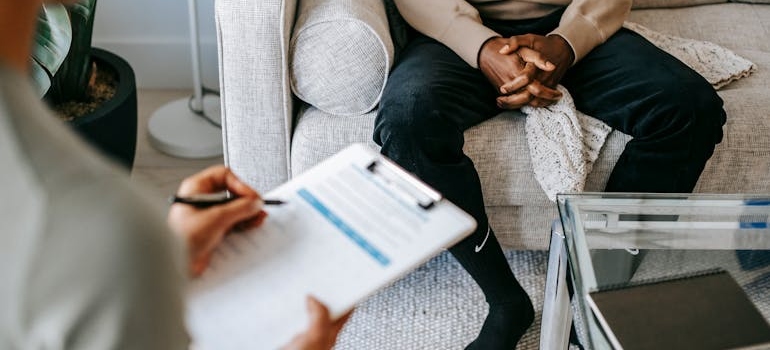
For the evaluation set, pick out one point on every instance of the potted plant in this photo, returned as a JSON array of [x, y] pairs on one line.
[[92, 89]]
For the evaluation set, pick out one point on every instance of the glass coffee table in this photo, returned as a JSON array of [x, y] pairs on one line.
[[610, 239]]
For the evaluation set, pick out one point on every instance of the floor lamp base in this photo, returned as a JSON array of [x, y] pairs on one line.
[[175, 130]]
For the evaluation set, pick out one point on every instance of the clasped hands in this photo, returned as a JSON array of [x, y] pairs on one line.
[[525, 69]]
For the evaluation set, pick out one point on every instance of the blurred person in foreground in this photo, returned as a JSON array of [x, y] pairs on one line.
[[87, 261]]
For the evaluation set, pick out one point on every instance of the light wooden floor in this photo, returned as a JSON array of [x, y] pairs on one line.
[[155, 170]]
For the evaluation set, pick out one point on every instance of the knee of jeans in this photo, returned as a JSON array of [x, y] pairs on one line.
[[686, 107], [395, 118], [707, 110], [420, 125]]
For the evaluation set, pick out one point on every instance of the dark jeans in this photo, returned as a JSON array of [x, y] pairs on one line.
[[433, 96]]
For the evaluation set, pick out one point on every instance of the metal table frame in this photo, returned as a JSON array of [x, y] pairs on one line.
[[557, 313]]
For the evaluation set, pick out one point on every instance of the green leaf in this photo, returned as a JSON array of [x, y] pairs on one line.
[[71, 81], [41, 78], [83, 9], [52, 42]]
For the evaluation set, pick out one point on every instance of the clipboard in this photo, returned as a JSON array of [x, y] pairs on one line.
[[351, 225]]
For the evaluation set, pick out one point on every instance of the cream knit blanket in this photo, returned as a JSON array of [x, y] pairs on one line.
[[564, 143]]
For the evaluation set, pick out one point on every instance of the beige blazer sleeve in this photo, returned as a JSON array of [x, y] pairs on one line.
[[458, 25], [454, 23], [588, 23]]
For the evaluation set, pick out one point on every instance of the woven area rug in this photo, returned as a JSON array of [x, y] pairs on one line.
[[438, 306]]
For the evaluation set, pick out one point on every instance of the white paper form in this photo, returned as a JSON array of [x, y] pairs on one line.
[[345, 232]]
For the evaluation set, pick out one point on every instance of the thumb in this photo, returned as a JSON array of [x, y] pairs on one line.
[[318, 329], [199, 265], [516, 42], [319, 314], [536, 58], [509, 48], [339, 323]]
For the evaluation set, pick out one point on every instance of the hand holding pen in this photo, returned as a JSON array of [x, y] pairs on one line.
[[204, 224], [212, 203]]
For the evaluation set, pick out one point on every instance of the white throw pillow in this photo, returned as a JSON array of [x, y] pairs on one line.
[[341, 53]]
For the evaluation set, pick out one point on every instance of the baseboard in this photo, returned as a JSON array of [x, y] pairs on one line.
[[165, 63]]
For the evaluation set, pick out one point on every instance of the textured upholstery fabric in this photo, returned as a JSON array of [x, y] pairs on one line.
[[257, 104], [753, 1], [517, 207], [320, 135], [340, 55], [645, 4], [741, 163], [734, 26]]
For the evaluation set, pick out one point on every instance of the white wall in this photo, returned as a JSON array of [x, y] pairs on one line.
[[153, 36]]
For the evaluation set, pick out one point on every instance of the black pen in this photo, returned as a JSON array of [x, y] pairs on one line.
[[206, 200]]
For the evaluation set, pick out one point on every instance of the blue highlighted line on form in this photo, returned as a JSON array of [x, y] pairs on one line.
[[750, 225], [343, 227]]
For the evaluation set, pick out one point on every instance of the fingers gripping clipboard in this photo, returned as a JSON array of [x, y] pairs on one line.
[[351, 225]]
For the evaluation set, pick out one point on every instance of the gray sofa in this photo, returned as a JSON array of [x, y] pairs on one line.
[[337, 53]]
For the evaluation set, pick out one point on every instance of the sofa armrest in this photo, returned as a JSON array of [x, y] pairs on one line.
[[257, 106]]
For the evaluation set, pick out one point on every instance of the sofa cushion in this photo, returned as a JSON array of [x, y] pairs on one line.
[[340, 54], [502, 161], [734, 26], [319, 135], [741, 163], [642, 4], [742, 28], [753, 1]]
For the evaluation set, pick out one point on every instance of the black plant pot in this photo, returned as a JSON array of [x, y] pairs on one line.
[[111, 128]]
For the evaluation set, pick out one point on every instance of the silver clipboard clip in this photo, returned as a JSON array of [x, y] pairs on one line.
[[404, 184]]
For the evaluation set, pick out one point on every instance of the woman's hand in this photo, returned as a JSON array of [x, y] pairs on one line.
[[322, 332], [204, 228]]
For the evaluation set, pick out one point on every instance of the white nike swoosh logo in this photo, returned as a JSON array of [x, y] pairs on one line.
[[479, 247]]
